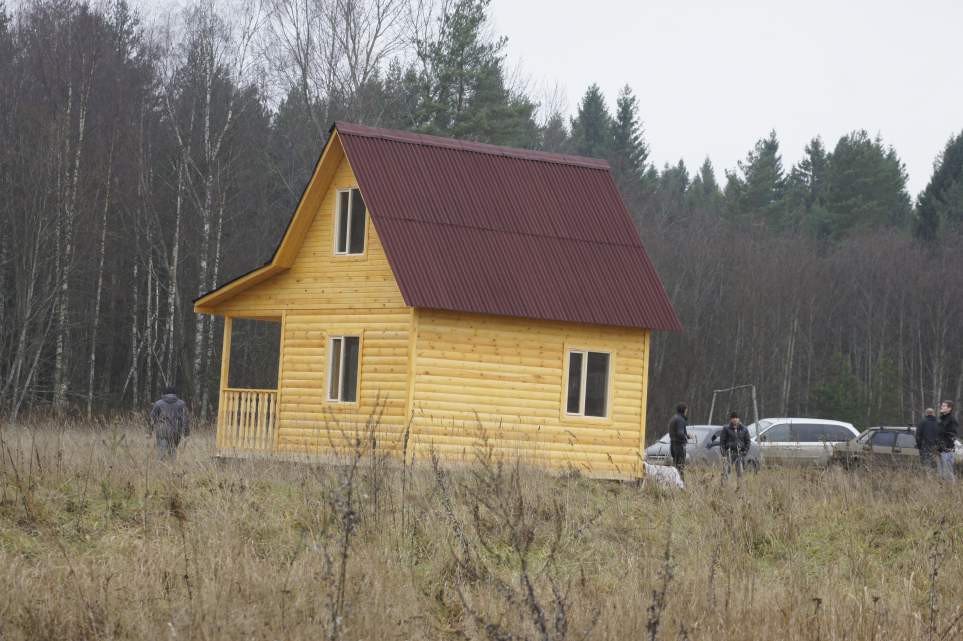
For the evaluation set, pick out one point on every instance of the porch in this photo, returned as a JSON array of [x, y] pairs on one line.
[[247, 410]]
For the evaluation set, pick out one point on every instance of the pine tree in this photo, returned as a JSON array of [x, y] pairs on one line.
[[464, 93], [670, 192], [703, 193], [592, 126], [495, 116], [554, 134], [629, 152], [941, 203], [756, 197], [807, 190], [867, 186]]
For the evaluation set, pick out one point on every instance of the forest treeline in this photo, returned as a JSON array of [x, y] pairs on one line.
[[142, 162]]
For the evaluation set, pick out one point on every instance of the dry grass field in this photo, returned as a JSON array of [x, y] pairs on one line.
[[100, 541]]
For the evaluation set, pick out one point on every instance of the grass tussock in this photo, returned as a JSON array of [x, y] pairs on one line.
[[98, 540]]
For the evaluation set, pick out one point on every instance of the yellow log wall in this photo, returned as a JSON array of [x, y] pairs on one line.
[[503, 379], [458, 377], [322, 295]]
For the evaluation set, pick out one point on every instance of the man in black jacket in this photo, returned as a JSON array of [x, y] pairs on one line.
[[169, 423], [678, 437], [928, 439], [734, 446], [949, 429]]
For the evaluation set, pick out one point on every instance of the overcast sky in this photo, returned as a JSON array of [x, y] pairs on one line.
[[713, 77]]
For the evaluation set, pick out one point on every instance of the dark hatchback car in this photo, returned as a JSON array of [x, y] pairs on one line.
[[703, 447], [884, 446]]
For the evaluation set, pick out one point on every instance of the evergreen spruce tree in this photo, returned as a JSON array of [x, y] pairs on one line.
[[629, 153], [867, 186], [941, 203], [756, 197], [494, 115], [554, 135], [703, 193], [670, 192], [807, 191], [463, 85], [592, 126]]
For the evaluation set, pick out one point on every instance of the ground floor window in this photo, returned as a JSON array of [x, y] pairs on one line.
[[343, 368], [588, 383]]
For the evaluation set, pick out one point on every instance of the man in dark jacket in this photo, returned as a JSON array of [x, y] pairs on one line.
[[678, 437], [169, 423], [734, 446], [928, 439], [949, 430]]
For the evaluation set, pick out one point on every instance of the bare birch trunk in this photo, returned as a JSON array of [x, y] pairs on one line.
[[171, 357], [95, 322], [69, 217], [787, 371], [199, 320], [149, 314], [209, 361], [132, 376], [32, 372], [11, 384]]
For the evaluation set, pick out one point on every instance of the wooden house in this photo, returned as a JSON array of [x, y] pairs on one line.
[[456, 289]]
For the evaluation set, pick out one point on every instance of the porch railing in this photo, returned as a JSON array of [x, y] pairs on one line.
[[247, 420]]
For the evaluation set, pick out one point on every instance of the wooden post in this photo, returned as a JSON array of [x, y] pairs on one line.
[[222, 416], [409, 419], [275, 419], [646, 344]]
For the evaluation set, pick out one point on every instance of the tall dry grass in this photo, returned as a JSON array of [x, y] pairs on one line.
[[98, 540]]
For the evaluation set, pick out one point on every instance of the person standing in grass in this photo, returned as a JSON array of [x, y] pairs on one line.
[[734, 442], [169, 423], [928, 439], [678, 437], [949, 429]]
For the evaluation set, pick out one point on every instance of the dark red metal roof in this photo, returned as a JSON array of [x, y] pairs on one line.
[[494, 230]]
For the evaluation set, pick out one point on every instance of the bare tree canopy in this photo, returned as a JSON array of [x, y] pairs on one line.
[[142, 164]]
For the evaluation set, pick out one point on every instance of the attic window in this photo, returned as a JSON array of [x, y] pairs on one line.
[[588, 384], [349, 227], [343, 368]]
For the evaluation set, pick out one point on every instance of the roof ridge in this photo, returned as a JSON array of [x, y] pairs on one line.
[[573, 239], [428, 140]]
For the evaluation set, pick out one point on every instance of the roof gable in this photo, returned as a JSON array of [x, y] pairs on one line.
[[485, 229]]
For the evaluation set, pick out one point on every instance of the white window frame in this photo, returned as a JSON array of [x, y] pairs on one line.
[[337, 223], [357, 382], [583, 381]]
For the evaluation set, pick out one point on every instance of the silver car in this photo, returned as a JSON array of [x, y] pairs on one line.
[[801, 440], [703, 447]]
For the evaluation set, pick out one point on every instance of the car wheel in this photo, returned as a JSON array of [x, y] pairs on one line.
[[753, 466]]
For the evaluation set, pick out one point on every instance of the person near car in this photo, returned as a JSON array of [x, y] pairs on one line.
[[949, 429], [678, 437], [734, 442], [928, 439], [169, 423]]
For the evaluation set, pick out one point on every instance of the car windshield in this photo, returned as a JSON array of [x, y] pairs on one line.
[[697, 432], [865, 436], [759, 427]]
